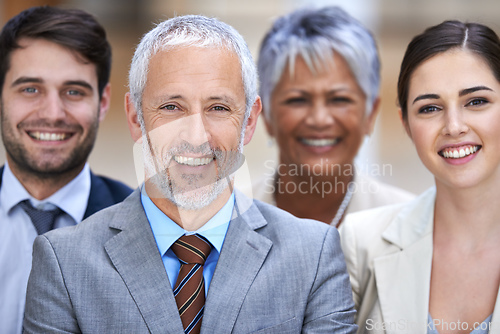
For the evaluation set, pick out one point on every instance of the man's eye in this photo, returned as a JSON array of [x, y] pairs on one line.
[[169, 107], [219, 108], [73, 92], [30, 90]]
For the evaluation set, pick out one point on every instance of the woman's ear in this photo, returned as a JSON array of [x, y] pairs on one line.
[[404, 122], [372, 116]]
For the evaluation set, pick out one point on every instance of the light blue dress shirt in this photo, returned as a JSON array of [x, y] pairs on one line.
[[17, 234], [166, 232]]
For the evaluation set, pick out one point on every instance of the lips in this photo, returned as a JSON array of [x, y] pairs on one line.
[[459, 152], [323, 142], [194, 162], [49, 136]]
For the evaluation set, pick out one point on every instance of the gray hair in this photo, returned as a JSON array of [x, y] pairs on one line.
[[191, 30], [314, 34]]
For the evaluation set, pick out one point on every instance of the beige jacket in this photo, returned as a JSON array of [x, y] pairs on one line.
[[369, 193], [388, 252]]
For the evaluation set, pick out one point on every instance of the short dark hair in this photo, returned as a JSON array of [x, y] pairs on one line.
[[74, 29], [475, 37]]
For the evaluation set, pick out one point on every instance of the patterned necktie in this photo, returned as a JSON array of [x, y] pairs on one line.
[[189, 290], [43, 220]]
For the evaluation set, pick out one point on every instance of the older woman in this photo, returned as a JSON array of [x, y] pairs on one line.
[[319, 72], [433, 265]]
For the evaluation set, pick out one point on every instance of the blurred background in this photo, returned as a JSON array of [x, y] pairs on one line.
[[388, 154]]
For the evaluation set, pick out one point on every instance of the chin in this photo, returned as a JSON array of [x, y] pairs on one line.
[[200, 198]]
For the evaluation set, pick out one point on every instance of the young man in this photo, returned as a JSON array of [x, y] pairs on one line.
[[186, 253], [54, 73]]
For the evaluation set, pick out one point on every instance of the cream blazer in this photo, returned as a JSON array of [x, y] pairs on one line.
[[388, 251]]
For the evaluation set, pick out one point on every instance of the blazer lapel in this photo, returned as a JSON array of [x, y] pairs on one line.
[[134, 253], [403, 278], [241, 258], [495, 319]]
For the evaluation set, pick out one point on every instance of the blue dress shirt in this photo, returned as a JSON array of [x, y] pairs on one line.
[[17, 234], [166, 232]]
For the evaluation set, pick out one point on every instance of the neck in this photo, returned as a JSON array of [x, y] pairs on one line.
[[312, 196], [42, 186], [189, 220], [468, 215]]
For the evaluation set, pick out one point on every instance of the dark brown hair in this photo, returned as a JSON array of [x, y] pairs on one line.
[[72, 28], [474, 37]]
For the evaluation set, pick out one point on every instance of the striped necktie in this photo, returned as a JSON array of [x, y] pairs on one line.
[[189, 290], [43, 220]]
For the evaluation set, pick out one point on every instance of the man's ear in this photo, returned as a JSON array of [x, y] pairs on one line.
[[132, 118], [404, 122], [252, 120], [372, 116], [104, 102]]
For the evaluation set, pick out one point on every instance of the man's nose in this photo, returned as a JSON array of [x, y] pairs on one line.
[[52, 107], [193, 129]]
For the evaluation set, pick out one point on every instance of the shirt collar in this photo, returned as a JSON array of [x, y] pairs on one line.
[[166, 231], [69, 198]]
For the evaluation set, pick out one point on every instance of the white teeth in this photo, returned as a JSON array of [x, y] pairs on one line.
[[47, 136], [319, 142], [192, 161], [460, 153]]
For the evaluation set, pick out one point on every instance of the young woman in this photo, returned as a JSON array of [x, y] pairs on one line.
[[433, 265]]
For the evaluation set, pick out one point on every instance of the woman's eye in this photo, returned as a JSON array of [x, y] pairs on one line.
[[341, 99], [295, 100], [428, 109], [477, 102]]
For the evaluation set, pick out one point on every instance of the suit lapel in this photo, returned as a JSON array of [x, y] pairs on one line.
[[134, 253], [242, 255], [403, 278]]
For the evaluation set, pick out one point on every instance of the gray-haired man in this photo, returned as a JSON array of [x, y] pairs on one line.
[[186, 253]]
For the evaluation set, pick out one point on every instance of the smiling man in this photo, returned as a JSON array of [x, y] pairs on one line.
[[187, 253], [54, 71]]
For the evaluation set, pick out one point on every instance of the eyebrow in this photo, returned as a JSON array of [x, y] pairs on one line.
[[426, 96], [23, 80], [473, 89], [463, 92]]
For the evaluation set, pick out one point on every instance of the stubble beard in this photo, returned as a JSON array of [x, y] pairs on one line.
[[56, 165], [197, 197]]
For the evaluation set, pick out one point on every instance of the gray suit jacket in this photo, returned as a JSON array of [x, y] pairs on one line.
[[275, 274]]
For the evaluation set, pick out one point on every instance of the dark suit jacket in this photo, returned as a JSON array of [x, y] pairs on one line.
[[104, 192]]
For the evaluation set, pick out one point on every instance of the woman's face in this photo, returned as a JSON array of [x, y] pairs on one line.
[[454, 118], [319, 119]]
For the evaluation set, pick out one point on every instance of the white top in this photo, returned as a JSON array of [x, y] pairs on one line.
[[367, 193]]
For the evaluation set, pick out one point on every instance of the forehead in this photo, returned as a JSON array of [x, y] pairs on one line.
[[334, 66], [452, 70], [49, 61], [196, 70]]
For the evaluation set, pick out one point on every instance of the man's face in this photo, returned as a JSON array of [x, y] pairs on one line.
[[193, 108], [50, 109]]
